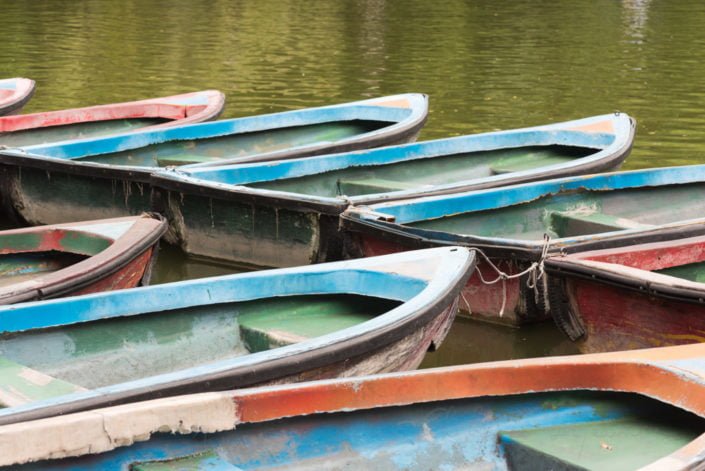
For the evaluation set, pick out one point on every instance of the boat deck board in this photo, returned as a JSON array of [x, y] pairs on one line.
[[19, 385], [596, 446]]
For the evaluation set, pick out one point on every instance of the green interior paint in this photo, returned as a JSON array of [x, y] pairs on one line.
[[627, 443], [21, 382], [74, 131], [199, 461], [290, 322], [361, 180], [238, 145], [15, 268], [84, 243], [20, 242], [130, 348], [692, 271], [550, 214]]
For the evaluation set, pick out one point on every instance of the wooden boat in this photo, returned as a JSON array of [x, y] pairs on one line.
[[117, 118], [109, 176], [639, 296], [14, 94], [77, 258], [231, 212], [341, 319], [643, 410], [509, 224]]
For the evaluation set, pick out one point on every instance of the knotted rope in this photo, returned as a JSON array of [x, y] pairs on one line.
[[535, 272]]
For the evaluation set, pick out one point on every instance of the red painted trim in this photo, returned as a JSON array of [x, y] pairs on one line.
[[166, 108]]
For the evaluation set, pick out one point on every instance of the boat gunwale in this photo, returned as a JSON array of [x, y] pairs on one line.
[[144, 233], [179, 179], [456, 263], [20, 98]]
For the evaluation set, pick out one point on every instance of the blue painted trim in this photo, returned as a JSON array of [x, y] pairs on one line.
[[366, 110], [233, 177]]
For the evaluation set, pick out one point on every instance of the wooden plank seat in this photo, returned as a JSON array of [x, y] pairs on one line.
[[20, 385], [569, 224], [364, 186], [280, 327], [523, 162]]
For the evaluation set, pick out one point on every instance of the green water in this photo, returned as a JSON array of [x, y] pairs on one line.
[[486, 65]]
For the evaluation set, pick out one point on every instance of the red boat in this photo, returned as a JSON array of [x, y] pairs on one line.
[[77, 258], [14, 94], [639, 296], [92, 121]]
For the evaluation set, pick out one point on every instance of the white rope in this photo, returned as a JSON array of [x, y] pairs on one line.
[[535, 272]]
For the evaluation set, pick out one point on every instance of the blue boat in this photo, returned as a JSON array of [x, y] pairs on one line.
[[518, 226], [642, 410], [286, 213], [90, 178], [14, 94], [329, 320]]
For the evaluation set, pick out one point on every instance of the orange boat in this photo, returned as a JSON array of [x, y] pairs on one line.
[[626, 410]]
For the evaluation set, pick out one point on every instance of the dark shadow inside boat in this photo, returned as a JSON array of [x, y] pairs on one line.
[[357, 180], [109, 351], [18, 267], [212, 149], [64, 132]]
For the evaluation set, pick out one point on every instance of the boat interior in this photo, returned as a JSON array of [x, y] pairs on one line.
[[419, 173], [138, 346], [575, 213], [213, 149], [31, 255]]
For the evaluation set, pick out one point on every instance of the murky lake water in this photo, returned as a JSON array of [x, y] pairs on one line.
[[486, 65]]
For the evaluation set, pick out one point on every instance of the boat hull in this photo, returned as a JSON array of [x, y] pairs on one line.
[[640, 296]]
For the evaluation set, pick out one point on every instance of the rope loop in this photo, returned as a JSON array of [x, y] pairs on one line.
[[535, 273]]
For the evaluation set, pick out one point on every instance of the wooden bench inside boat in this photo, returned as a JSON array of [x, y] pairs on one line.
[[365, 186], [21, 384], [526, 162], [280, 327], [570, 224], [184, 159], [605, 444]]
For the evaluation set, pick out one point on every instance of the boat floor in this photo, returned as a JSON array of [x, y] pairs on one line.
[[17, 268]]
